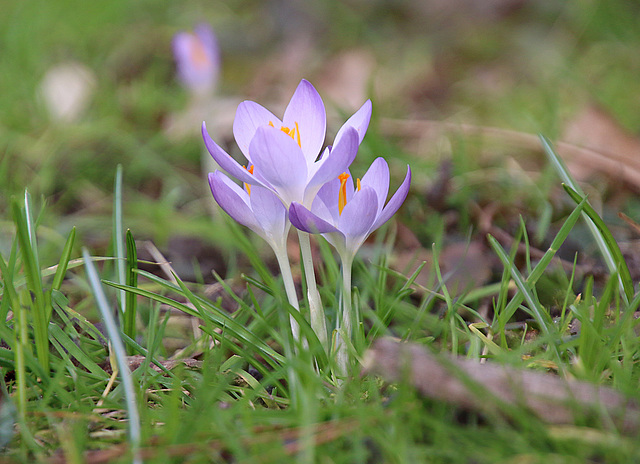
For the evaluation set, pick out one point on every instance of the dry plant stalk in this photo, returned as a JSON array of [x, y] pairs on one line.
[[551, 398]]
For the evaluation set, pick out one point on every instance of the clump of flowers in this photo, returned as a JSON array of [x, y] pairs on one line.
[[290, 179]]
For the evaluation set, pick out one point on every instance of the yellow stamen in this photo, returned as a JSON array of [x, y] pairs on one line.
[[358, 184], [248, 186], [298, 135], [342, 195], [293, 132]]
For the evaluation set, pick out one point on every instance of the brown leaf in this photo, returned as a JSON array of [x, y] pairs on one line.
[[462, 265], [621, 166], [597, 130], [346, 79], [137, 360]]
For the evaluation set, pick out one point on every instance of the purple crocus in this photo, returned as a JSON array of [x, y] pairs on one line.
[[197, 58], [345, 215], [287, 154], [262, 211], [255, 207]]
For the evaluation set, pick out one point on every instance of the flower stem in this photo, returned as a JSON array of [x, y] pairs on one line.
[[280, 250], [318, 323], [290, 288], [346, 319]]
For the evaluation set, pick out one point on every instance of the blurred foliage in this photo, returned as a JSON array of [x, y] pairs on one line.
[[515, 64]]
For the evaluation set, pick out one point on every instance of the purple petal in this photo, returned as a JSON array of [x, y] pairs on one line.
[[269, 212], [233, 200], [377, 177], [225, 160], [306, 109], [328, 196], [280, 161], [334, 163], [396, 201], [359, 214], [181, 44], [306, 221], [250, 116], [359, 120]]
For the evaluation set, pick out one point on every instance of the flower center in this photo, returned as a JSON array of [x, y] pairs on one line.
[[293, 132], [342, 194], [199, 56], [248, 186]]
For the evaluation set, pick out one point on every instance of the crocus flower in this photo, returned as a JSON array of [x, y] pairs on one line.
[[345, 215], [197, 58], [287, 153], [262, 211], [255, 207]]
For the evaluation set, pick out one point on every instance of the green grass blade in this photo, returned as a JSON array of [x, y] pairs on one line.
[[218, 317], [72, 349], [565, 175], [120, 354], [544, 262], [621, 266], [31, 231], [8, 289], [64, 261], [130, 307], [538, 312], [34, 283], [10, 300], [118, 239]]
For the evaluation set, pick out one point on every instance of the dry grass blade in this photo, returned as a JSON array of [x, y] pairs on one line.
[[289, 437]]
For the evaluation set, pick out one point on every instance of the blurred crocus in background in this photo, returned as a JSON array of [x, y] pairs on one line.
[[198, 65], [197, 58]]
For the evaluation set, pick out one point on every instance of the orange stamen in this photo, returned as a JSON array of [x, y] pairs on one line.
[[248, 186], [298, 135], [293, 132], [342, 195], [199, 55]]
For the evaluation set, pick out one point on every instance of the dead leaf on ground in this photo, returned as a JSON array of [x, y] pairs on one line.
[[346, 79], [463, 265], [596, 129], [136, 361], [422, 135]]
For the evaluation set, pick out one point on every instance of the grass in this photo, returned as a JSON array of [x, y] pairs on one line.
[[115, 180]]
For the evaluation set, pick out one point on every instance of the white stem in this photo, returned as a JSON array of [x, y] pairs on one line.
[[346, 318], [289, 286], [280, 250], [316, 313]]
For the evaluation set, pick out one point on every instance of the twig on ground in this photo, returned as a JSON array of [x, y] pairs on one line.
[[484, 387]]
